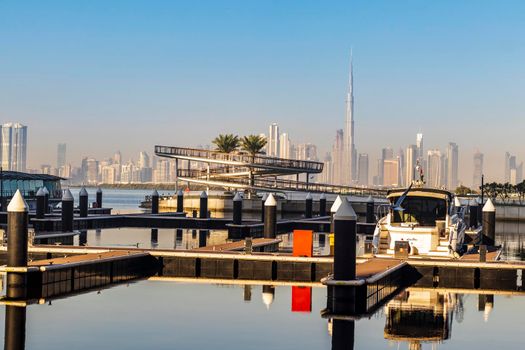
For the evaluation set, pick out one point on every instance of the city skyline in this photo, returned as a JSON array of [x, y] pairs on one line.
[[290, 76]]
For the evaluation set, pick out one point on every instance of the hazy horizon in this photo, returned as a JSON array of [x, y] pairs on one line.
[[107, 76]]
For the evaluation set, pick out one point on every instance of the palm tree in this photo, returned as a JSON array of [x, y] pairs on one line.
[[253, 144], [226, 143]]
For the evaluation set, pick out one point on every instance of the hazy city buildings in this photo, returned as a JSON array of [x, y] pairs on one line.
[[452, 162], [14, 146], [61, 155], [285, 146], [411, 163], [478, 170], [434, 173]]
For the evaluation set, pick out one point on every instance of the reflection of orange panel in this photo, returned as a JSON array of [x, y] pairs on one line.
[[301, 299], [303, 241]]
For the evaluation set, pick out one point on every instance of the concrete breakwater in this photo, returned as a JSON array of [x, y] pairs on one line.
[[223, 203]]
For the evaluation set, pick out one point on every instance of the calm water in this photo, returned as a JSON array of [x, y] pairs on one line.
[[171, 315], [165, 314]]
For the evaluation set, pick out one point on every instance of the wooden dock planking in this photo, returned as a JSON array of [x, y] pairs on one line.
[[85, 258], [375, 266], [257, 243]]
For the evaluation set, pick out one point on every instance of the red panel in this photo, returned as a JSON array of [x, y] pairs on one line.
[[301, 299], [303, 241]]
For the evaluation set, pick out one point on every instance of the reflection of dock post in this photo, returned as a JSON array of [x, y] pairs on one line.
[[344, 258], [203, 205], [155, 202], [202, 238], [309, 203], [180, 201], [99, 198], [83, 203], [82, 237], [154, 236], [322, 205], [343, 334], [67, 211], [489, 223], [17, 221], [40, 203], [268, 294], [237, 209], [370, 217], [15, 327], [270, 217]]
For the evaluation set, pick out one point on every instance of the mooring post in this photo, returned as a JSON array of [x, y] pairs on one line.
[[46, 203], [203, 209], [155, 202], [263, 200], [67, 211], [322, 205], [180, 201], [99, 198], [270, 217], [202, 238], [83, 202], [370, 217], [248, 245], [345, 219], [40, 203], [333, 210], [473, 213], [17, 221], [309, 203], [237, 209], [489, 223], [480, 210]]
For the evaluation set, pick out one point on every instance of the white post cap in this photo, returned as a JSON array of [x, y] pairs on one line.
[[40, 192], [323, 196], [204, 194], [180, 193], [99, 190], [370, 199], [270, 201], [46, 191], [237, 197], [264, 197], [155, 193], [336, 204], [17, 203], [67, 196], [489, 206], [83, 192], [345, 212], [309, 196]]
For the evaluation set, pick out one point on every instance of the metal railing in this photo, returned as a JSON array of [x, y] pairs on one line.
[[253, 161], [276, 184]]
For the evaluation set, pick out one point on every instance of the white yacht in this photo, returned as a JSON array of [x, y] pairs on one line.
[[423, 221]]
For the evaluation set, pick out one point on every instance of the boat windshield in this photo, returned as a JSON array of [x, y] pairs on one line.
[[421, 210]]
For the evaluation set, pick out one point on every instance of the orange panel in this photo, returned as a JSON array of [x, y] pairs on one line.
[[301, 299], [303, 241]]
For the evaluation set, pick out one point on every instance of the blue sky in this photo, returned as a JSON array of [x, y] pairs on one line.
[[108, 75]]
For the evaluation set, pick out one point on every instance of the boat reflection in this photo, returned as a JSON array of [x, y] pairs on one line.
[[419, 316]]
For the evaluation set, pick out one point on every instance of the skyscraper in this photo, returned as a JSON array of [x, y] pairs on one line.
[[272, 148], [362, 169], [14, 146], [284, 146], [61, 155], [338, 158], [391, 172], [434, 173], [411, 161], [350, 166], [452, 166], [478, 170]]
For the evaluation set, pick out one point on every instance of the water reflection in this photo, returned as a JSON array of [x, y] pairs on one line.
[[15, 327]]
